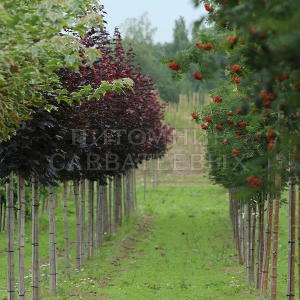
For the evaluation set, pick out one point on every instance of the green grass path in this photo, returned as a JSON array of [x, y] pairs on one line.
[[180, 248]]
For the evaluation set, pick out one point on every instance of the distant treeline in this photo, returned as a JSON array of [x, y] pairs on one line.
[[139, 33]]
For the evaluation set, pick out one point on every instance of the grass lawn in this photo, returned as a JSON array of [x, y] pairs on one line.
[[178, 246]]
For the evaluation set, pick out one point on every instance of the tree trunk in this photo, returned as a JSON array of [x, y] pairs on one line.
[[78, 224], [52, 245], [128, 193], [248, 242], [10, 238], [4, 215], [1, 212], [66, 229], [252, 245], [118, 200], [260, 241], [291, 248], [241, 231], [91, 219], [299, 238], [266, 263], [99, 215], [275, 248], [35, 241], [21, 200], [110, 206], [105, 210], [83, 226]]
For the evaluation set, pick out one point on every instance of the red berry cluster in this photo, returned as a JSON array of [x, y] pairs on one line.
[[267, 98], [254, 182], [206, 47], [174, 66], [208, 8]]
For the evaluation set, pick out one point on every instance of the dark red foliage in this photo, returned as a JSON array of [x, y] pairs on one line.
[[122, 129]]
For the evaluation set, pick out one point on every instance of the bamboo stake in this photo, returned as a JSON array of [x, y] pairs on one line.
[[52, 245], [66, 229], [267, 254], [91, 220], [35, 241], [291, 249], [21, 224], [10, 238], [78, 224]]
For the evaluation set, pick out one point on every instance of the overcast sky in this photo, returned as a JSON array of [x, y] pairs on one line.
[[162, 13]]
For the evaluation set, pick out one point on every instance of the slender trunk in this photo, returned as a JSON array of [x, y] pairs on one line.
[[125, 188], [145, 181], [35, 241], [236, 223], [248, 242], [52, 245], [299, 237], [82, 214], [118, 200], [10, 238], [21, 200], [291, 248], [99, 215], [241, 231], [275, 248], [78, 225], [110, 205], [105, 210], [134, 200], [267, 254], [252, 245], [91, 219], [4, 215], [66, 229], [260, 241], [128, 193], [1, 213]]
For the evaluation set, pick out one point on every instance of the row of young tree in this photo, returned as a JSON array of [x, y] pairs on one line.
[[98, 119], [252, 124]]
